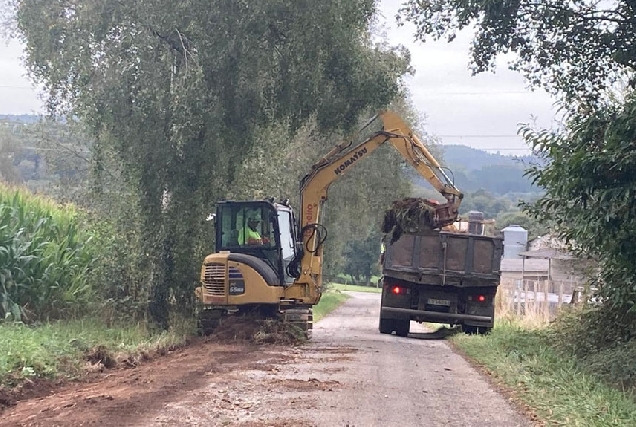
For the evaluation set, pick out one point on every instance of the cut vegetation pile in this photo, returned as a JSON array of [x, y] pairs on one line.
[[409, 215]]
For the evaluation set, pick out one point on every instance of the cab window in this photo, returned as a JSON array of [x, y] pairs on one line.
[[243, 225]]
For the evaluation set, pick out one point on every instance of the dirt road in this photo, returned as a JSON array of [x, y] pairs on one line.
[[349, 375]]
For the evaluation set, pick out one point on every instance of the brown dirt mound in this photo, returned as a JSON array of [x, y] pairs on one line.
[[101, 355], [409, 215], [26, 389], [6, 398], [257, 331]]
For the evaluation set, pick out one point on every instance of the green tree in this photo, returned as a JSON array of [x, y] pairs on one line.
[[175, 93], [362, 256], [575, 49], [485, 202], [579, 50], [592, 204], [9, 149]]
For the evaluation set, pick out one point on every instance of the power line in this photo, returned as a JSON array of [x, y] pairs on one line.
[[477, 136], [482, 93], [528, 150], [64, 149]]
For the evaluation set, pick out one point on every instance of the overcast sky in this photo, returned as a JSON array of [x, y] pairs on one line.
[[481, 111]]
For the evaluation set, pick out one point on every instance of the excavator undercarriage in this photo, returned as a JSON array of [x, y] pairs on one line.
[[300, 319]]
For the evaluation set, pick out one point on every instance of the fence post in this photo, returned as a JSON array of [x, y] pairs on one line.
[[546, 302], [511, 296], [535, 285]]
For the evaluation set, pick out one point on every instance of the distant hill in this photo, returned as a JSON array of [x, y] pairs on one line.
[[473, 169], [20, 118], [470, 159]]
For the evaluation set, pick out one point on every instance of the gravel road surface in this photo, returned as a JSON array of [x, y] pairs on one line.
[[348, 375]]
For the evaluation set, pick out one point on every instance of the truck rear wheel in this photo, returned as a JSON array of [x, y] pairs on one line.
[[402, 327], [386, 325], [475, 330]]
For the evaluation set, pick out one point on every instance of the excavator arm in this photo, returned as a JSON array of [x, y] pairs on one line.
[[334, 165]]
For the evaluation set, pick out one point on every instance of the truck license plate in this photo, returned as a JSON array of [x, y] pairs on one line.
[[433, 301]]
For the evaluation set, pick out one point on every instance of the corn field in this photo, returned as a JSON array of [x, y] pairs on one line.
[[44, 258]]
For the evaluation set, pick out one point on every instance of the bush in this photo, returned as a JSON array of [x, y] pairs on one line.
[[600, 348]]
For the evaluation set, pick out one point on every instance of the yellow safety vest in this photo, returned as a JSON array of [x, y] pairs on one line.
[[246, 234]]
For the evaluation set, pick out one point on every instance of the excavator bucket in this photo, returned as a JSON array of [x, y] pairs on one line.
[[416, 215], [445, 215]]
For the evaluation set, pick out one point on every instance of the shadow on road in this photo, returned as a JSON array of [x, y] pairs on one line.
[[439, 334]]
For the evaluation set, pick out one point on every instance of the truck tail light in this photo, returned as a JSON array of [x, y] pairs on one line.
[[395, 288], [481, 298], [478, 298]]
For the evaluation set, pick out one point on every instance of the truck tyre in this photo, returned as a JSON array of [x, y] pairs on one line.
[[402, 327], [475, 330], [386, 325]]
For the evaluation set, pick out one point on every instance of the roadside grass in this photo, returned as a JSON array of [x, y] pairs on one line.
[[357, 288], [551, 383], [65, 349], [348, 279], [68, 349], [329, 301]]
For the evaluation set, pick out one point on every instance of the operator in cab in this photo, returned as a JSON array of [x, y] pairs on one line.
[[249, 235]]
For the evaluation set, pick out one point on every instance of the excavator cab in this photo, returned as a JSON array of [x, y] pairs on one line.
[[256, 241], [261, 229]]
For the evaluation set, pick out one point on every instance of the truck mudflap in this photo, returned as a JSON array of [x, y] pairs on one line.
[[437, 315]]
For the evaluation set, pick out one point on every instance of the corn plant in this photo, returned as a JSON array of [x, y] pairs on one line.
[[44, 259]]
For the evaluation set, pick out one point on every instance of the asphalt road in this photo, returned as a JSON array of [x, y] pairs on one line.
[[394, 381]]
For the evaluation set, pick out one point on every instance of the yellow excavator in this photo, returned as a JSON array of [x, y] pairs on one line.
[[267, 259]]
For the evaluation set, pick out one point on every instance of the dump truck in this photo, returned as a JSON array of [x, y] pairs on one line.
[[440, 276]]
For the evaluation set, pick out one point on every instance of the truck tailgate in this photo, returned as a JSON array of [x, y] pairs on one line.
[[444, 258]]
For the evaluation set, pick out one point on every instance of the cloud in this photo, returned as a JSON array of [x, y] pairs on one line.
[[461, 108], [482, 108], [17, 94]]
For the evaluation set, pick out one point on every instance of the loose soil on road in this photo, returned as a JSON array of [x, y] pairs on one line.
[[348, 375]]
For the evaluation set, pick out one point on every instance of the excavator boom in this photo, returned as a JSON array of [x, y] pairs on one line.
[[335, 164]]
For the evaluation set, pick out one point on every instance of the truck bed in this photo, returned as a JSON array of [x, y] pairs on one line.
[[445, 258]]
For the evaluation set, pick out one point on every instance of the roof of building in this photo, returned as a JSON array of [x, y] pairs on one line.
[[547, 253], [530, 265]]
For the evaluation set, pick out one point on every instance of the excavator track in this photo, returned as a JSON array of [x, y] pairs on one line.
[[209, 320], [300, 317]]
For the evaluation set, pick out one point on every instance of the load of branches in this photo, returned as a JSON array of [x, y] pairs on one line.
[[409, 215]]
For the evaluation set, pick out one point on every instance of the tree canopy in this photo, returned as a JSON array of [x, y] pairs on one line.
[[577, 49], [175, 92], [590, 198]]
